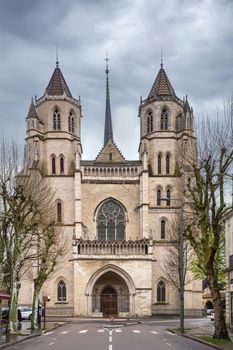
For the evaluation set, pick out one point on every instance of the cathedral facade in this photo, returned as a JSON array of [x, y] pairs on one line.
[[114, 213]]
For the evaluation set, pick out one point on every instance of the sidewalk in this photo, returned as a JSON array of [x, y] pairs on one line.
[[204, 334], [25, 333]]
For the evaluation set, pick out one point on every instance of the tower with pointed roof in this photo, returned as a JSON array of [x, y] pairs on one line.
[[110, 209]]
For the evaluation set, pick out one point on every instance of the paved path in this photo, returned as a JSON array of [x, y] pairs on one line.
[[89, 336]]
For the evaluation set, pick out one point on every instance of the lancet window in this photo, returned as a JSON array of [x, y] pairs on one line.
[[161, 291], [164, 120], [61, 291], [56, 119], [149, 122]]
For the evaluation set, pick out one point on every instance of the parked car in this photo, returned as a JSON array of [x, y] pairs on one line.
[[26, 312], [209, 311], [5, 314]]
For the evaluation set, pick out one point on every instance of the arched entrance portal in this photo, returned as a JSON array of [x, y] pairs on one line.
[[110, 295]]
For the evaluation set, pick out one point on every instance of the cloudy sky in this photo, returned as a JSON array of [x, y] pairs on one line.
[[197, 40]]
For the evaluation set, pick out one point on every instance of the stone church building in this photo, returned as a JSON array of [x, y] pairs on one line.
[[115, 213]]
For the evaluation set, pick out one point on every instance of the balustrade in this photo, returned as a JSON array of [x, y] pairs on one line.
[[95, 247]]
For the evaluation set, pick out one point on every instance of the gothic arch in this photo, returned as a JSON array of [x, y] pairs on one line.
[[110, 221], [110, 268]]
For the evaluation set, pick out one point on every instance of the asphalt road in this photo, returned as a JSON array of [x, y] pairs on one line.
[[97, 336]]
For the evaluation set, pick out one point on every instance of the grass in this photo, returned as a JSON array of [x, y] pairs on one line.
[[225, 344]]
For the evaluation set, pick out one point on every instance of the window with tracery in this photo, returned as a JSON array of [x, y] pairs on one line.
[[159, 164], [61, 291], [111, 221], [161, 291], [56, 119], [163, 229], [149, 122], [164, 120]]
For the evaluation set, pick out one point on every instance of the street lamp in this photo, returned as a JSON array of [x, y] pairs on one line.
[[180, 259]]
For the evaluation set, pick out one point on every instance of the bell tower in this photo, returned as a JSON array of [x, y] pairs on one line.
[[166, 124]]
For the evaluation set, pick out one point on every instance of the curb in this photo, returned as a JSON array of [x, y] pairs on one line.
[[197, 340], [203, 342], [26, 337], [31, 336]]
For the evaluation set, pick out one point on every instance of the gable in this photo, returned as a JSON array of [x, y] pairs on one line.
[[110, 154]]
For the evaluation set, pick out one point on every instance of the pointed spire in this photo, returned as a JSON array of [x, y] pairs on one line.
[[108, 133], [161, 64], [162, 85], [32, 110], [57, 62], [57, 85]]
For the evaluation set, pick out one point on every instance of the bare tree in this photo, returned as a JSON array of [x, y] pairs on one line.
[[49, 251], [205, 194], [26, 203], [171, 259]]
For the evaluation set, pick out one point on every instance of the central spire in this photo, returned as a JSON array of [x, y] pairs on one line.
[[108, 134]]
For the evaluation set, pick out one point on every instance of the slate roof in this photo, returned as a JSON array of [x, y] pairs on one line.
[[162, 85], [57, 85]]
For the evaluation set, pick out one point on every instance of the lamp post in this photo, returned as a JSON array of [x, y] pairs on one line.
[[180, 259]]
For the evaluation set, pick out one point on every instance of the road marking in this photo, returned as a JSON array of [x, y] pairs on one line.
[[170, 333], [83, 331], [65, 332], [154, 332], [110, 347], [100, 330], [168, 344], [118, 330], [136, 331], [51, 343], [110, 339], [48, 333]]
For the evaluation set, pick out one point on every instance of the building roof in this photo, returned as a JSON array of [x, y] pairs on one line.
[[57, 85], [162, 85]]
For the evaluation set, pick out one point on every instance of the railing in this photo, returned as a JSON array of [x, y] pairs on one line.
[[88, 247], [89, 171]]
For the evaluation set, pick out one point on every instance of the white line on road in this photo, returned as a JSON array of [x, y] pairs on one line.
[[154, 332], [110, 347], [136, 331], [83, 331], [118, 330], [110, 339], [170, 333], [168, 344], [51, 343], [48, 333], [65, 332], [100, 330]]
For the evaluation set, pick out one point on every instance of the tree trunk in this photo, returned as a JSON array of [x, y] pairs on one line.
[[13, 312], [220, 331], [35, 308]]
